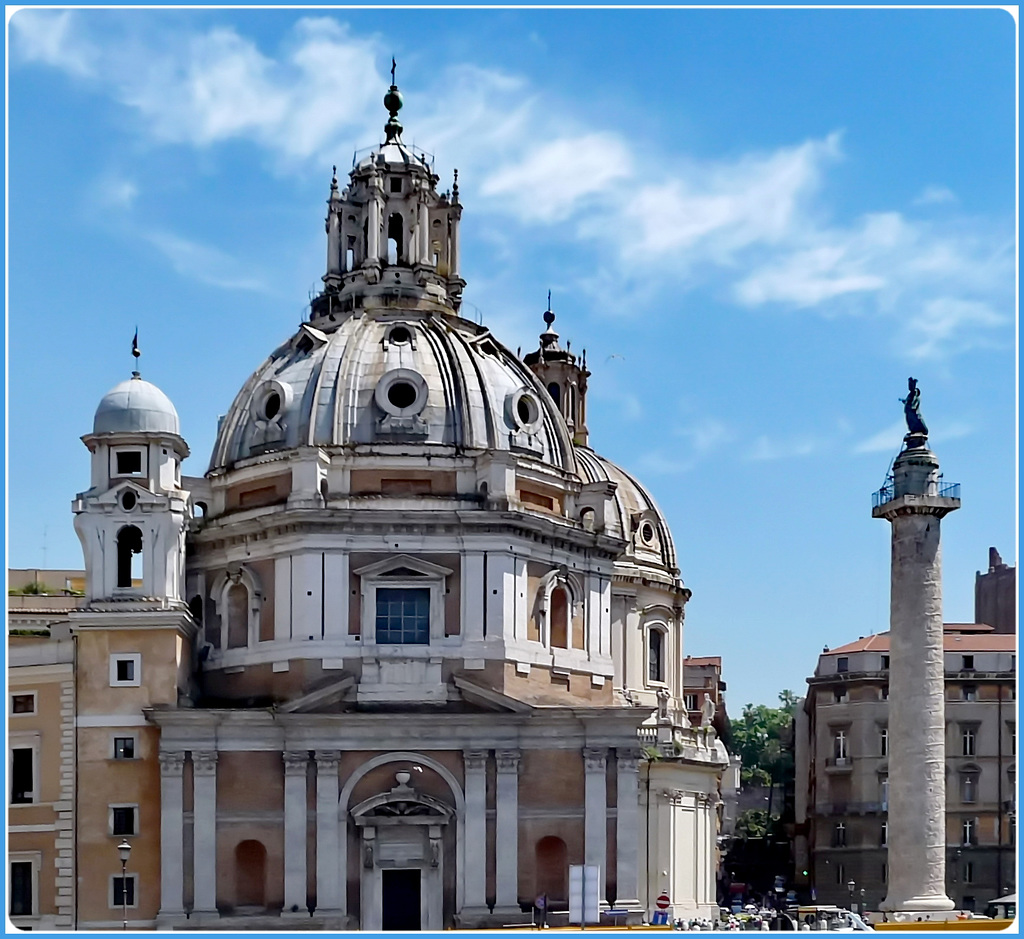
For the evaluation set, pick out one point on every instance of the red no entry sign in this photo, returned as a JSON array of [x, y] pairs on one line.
[[663, 902]]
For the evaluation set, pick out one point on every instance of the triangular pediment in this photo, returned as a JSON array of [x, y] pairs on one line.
[[321, 699], [415, 567], [143, 495], [488, 698]]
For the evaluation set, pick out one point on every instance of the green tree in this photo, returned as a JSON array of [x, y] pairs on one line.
[[761, 739]]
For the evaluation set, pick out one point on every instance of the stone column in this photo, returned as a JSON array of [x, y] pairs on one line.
[[595, 811], [295, 832], [506, 830], [476, 828], [329, 892], [373, 231], [171, 837], [627, 834], [917, 766], [204, 831], [423, 235]]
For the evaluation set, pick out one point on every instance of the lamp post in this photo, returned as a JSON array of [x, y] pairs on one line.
[[124, 849], [851, 886]]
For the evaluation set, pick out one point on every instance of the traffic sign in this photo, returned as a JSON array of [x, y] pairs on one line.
[[663, 902]]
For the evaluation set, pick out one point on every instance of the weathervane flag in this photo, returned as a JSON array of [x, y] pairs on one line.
[[135, 343]]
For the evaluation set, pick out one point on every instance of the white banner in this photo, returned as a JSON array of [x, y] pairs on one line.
[[584, 894]]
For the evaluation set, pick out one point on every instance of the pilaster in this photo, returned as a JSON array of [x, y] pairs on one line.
[[595, 811], [204, 830], [172, 908], [506, 830], [330, 895], [475, 762], [295, 763], [627, 835]]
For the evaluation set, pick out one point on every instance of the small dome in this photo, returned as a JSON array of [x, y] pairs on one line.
[[135, 406]]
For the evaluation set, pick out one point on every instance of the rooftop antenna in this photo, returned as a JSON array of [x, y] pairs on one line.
[[136, 352]]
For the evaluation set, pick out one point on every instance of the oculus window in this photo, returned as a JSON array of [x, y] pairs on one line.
[[403, 615]]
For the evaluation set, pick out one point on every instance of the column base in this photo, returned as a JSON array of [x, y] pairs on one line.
[[934, 903], [171, 919]]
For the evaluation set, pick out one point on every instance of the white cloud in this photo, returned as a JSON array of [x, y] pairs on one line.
[[934, 195], [202, 262], [947, 322], [114, 192], [705, 435], [765, 448], [44, 37], [888, 439]]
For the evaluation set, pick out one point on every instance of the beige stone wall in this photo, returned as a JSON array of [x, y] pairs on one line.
[[270, 490], [543, 687], [374, 481]]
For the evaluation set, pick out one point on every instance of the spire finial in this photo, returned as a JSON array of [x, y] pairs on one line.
[[455, 187], [334, 179], [136, 352], [393, 102]]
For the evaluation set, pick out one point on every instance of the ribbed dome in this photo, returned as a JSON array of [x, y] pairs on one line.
[[135, 406], [639, 520], [391, 376]]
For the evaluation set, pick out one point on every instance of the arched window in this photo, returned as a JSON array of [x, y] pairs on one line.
[[559, 613], [129, 556], [551, 868], [555, 392], [656, 655], [969, 776], [238, 616], [395, 235], [250, 874]]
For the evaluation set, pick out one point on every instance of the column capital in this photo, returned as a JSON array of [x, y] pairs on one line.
[[172, 762], [628, 758], [327, 759], [475, 761], [595, 759], [204, 762], [507, 760], [295, 762]]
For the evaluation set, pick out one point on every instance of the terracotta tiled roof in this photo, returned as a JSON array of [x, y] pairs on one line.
[[958, 636]]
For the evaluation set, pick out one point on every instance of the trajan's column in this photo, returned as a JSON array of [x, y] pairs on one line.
[[914, 500]]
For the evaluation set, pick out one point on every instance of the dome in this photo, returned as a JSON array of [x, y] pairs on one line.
[[135, 406], [638, 520], [393, 376]]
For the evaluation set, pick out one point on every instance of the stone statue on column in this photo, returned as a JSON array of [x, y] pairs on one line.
[[707, 711]]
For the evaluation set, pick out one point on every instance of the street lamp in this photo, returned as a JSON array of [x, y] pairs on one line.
[[124, 849], [851, 886]]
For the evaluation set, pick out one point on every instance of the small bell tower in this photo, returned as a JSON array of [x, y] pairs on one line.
[[564, 377], [133, 518]]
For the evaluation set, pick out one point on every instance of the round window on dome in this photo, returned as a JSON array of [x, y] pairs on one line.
[[647, 533], [272, 406], [402, 394], [129, 501], [399, 335], [523, 411]]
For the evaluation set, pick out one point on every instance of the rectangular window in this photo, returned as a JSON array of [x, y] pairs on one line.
[[23, 703], [655, 645], [840, 696], [884, 693], [883, 786], [839, 745], [403, 615], [969, 787], [967, 664], [967, 830], [124, 748], [21, 888], [396, 184], [885, 662], [885, 873], [885, 838], [843, 664], [839, 836], [969, 739], [129, 462], [841, 874], [22, 788], [968, 872], [126, 670], [122, 820], [883, 741], [1012, 729], [970, 692], [122, 891], [690, 702]]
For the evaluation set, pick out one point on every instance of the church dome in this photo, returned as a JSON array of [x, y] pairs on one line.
[[393, 376], [637, 520], [135, 406]]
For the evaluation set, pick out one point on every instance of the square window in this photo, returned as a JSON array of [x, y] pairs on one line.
[[23, 703], [396, 184], [841, 696], [125, 669], [124, 748], [970, 692], [122, 820], [122, 891], [843, 664], [21, 888], [885, 661], [690, 702], [129, 462], [403, 615], [22, 775], [968, 663]]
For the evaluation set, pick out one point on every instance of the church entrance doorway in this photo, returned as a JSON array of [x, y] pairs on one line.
[[400, 899]]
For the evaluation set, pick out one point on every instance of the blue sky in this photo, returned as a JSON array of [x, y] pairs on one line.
[[757, 222]]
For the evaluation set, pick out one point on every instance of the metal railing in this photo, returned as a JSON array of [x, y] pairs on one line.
[[888, 492], [427, 159]]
